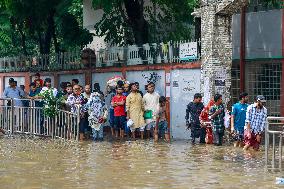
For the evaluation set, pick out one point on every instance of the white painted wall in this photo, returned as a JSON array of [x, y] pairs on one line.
[[184, 84], [69, 77], [20, 81], [91, 16], [144, 76], [102, 78]]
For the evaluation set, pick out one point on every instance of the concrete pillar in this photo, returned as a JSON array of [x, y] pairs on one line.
[[216, 53], [216, 46]]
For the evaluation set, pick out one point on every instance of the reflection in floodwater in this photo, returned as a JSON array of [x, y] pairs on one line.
[[36, 163]]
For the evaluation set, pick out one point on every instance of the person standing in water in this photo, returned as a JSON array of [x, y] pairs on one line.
[[238, 119], [135, 110]]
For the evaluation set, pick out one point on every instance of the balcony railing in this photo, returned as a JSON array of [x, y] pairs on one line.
[[171, 52]]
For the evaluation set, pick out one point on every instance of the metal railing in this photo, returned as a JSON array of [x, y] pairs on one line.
[[150, 53], [154, 53], [25, 116], [273, 151]]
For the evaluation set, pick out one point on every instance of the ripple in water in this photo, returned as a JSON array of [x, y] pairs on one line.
[[43, 163]]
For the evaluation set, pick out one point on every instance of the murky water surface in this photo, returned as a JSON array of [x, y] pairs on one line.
[[36, 163]]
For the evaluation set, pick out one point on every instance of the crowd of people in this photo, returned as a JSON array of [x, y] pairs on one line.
[[123, 107], [130, 113], [245, 123]]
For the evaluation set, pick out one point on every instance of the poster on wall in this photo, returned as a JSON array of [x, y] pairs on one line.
[[206, 97], [220, 82], [188, 51], [168, 78]]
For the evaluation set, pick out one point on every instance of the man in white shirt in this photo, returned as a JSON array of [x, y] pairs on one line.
[[151, 103], [47, 86]]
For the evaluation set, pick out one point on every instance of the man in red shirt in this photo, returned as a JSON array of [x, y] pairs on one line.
[[118, 103], [37, 78]]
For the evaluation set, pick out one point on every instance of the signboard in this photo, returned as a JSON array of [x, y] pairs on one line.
[[206, 97], [188, 51], [220, 81]]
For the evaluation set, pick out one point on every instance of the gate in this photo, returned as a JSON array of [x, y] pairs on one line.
[[273, 146], [25, 116]]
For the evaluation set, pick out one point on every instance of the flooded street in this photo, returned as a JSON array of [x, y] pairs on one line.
[[35, 163]]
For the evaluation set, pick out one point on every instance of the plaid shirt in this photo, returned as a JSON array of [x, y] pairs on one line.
[[257, 118], [218, 120]]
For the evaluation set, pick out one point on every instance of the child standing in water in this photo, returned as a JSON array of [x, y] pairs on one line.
[[118, 103], [97, 115], [161, 121]]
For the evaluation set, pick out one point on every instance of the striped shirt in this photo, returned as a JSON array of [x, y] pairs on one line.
[[257, 118]]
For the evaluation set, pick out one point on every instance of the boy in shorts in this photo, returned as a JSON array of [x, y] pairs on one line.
[[161, 121], [118, 103]]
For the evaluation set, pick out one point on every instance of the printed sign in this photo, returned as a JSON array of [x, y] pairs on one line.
[[188, 51], [220, 81]]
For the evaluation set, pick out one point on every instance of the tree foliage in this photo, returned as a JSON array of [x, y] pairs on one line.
[[138, 21], [42, 26]]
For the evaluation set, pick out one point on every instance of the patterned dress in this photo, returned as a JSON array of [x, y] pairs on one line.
[[96, 110], [73, 99]]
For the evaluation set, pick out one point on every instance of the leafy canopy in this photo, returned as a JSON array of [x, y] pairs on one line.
[[41, 26], [140, 21]]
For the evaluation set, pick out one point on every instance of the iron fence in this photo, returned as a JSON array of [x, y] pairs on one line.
[[25, 116], [273, 146], [260, 79], [112, 56]]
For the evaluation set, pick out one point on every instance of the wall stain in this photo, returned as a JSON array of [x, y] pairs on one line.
[[152, 77], [188, 86]]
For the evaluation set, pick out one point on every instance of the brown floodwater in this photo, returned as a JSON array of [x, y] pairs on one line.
[[35, 163]]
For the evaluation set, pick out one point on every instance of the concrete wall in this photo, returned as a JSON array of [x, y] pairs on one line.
[[263, 34], [184, 80], [184, 84], [90, 18], [69, 77], [20, 81], [144, 77], [102, 78], [90, 15]]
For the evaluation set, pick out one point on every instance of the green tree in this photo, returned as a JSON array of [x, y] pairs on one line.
[[133, 22], [42, 25]]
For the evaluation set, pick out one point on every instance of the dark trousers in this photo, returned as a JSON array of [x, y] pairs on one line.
[[218, 137], [197, 132]]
